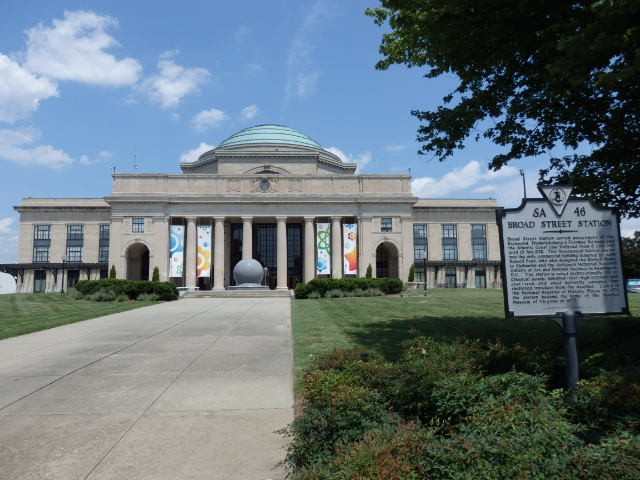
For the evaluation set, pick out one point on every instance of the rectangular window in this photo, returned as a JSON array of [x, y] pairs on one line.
[[479, 241], [41, 242], [103, 244], [74, 254], [449, 241], [42, 232], [420, 249], [481, 278], [450, 277], [75, 232], [419, 274], [39, 281], [137, 225], [386, 224], [40, 254]]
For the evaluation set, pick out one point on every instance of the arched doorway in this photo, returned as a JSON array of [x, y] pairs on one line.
[[137, 262], [387, 260]]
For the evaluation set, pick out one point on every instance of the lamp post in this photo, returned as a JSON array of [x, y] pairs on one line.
[[424, 269], [524, 185], [64, 259]]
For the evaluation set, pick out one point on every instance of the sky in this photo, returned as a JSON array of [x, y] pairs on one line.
[[88, 87]]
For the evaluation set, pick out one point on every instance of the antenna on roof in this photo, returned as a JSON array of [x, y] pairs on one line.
[[113, 168], [135, 161]]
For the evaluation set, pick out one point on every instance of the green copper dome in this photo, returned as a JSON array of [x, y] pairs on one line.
[[269, 134]]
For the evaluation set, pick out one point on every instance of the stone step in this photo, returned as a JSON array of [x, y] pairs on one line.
[[237, 294]]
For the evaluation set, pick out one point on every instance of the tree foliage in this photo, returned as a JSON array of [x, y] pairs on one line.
[[535, 78], [631, 256]]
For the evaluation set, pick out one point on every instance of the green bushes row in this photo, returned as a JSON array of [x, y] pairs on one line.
[[319, 287], [133, 289], [460, 410]]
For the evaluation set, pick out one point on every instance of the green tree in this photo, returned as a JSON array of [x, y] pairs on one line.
[[631, 256], [155, 276], [533, 77], [369, 272], [112, 272], [412, 273]]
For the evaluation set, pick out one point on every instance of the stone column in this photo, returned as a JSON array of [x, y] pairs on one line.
[[247, 238], [282, 254], [336, 247], [191, 254], [309, 250], [218, 254]]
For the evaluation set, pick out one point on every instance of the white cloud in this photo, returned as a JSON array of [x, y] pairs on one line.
[[192, 155], [628, 226], [395, 147], [242, 33], [461, 179], [302, 72], [21, 91], [362, 159], [15, 147], [207, 119], [8, 240], [249, 112], [254, 67], [173, 81], [74, 49]]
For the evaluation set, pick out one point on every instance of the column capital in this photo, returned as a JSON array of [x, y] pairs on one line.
[[191, 218], [336, 219], [246, 218], [281, 218], [219, 219], [309, 218]]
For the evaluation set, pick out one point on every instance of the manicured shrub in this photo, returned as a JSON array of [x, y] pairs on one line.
[[412, 273], [155, 276], [131, 288], [148, 297], [74, 293], [112, 272], [349, 287], [102, 296], [369, 272]]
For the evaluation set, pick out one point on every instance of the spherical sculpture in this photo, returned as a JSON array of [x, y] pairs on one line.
[[248, 273]]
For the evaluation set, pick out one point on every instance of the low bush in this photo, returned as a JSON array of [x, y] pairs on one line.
[[131, 288], [148, 297], [101, 296], [349, 286], [461, 409], [75, 294]]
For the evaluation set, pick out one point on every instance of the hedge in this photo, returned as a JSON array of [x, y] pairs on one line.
[[348, 285], [130, 288]]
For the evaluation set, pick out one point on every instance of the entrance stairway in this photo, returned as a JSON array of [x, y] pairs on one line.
[[237, 294]]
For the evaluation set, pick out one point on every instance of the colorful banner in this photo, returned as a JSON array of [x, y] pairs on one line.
[[350, 248], [323, 246], [204, 251], [176, 251]]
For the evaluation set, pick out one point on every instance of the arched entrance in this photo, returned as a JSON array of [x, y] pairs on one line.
[[137, 262], [387, 260]]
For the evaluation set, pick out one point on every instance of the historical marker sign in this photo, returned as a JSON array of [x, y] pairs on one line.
[[561, 253]]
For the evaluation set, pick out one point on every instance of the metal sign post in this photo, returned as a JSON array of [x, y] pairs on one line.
[[561, 258]]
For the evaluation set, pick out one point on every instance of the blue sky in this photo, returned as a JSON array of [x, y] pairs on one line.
[[86, 86]]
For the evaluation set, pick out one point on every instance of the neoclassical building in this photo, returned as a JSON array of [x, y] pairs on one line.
[[270, 193]]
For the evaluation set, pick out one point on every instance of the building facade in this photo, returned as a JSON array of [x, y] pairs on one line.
[[270, 193]]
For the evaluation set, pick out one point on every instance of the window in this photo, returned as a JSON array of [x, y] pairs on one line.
[[103, 244], [42, 232], [41, 242], [450, 277], [449, 242], [481, 278], [75, 232], [39, 281], [420, 248], [419, 274], [137, 225], [40, 254], [74, 254], [386, 224], [479, 241]]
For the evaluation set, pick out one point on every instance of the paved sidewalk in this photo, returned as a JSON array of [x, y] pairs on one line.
[[192, 389]]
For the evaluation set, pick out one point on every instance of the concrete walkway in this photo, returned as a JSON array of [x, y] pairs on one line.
[[192, 389]]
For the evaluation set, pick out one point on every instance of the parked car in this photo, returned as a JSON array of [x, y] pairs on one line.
[[633, 285]]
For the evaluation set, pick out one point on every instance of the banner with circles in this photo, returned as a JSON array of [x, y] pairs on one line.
[[350, 248], [323, 246], [176, 251], [204, 251]]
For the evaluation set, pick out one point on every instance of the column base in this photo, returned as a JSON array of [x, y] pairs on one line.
[[282, 288]]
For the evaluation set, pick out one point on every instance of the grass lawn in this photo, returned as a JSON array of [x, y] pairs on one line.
[[29, 312], [383, 323]]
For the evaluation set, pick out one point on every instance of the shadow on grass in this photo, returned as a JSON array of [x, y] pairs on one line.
[[615, 341]]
